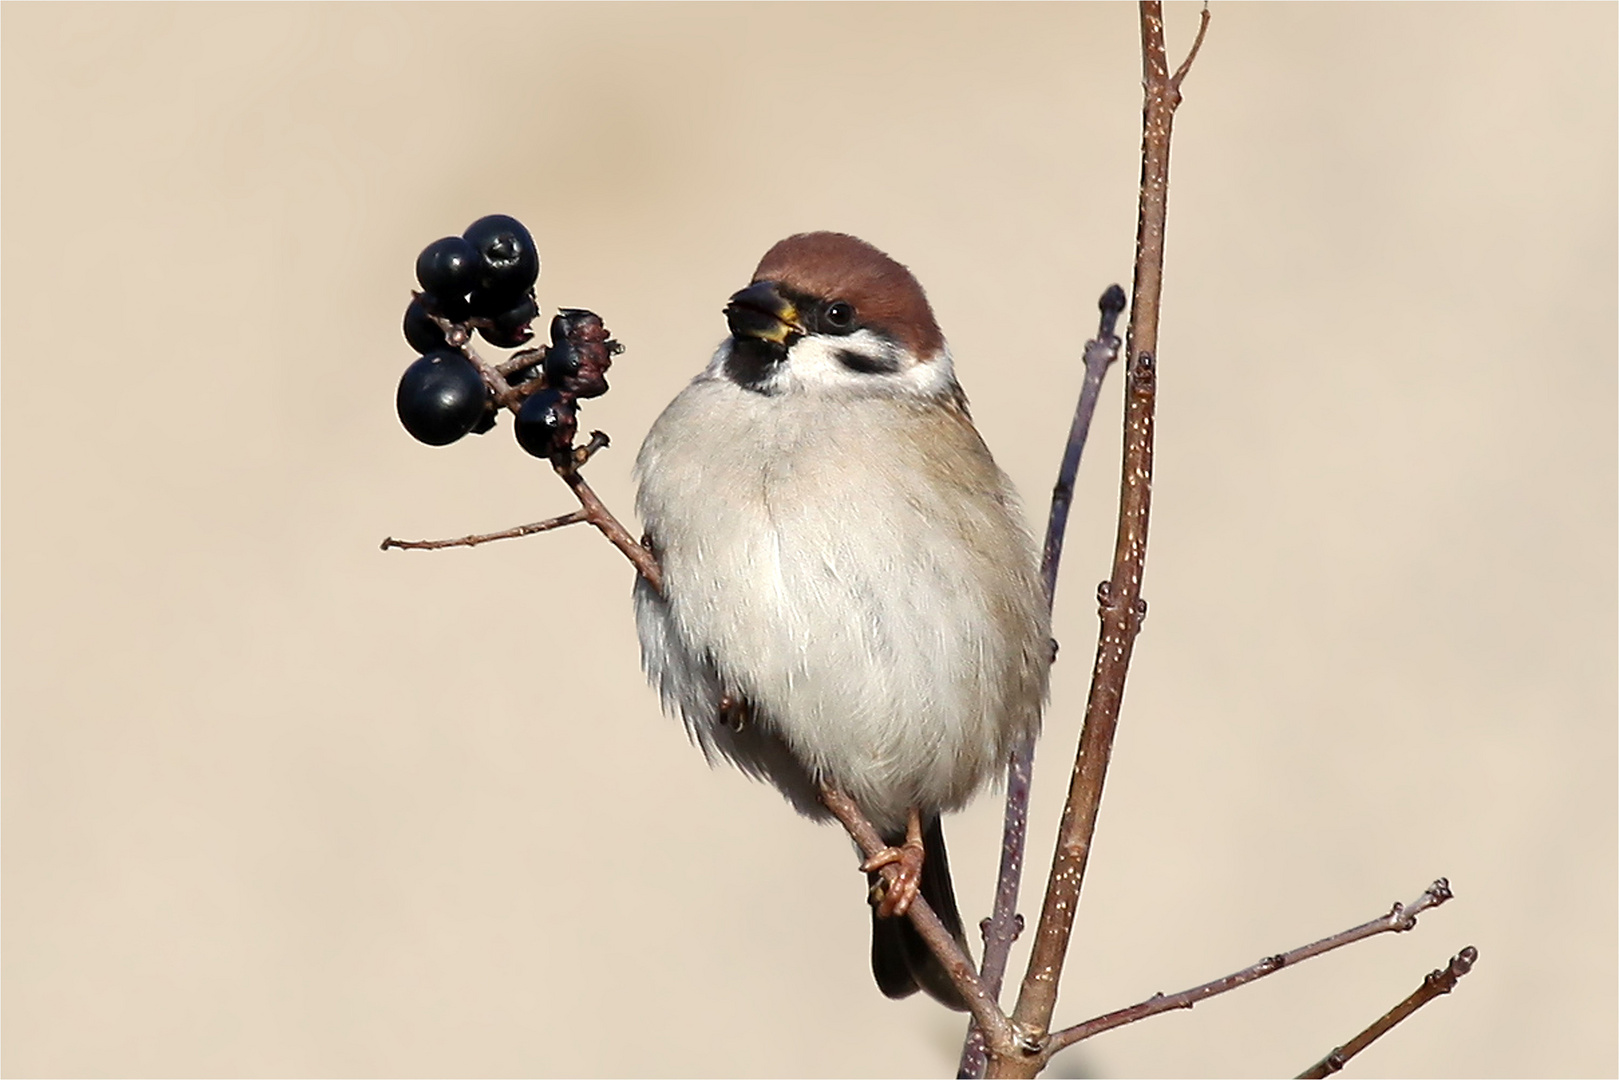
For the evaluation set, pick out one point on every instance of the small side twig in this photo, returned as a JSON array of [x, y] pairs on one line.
[[985, 1011], [581, 454], [1442, 981], [1004, 924], [483, 538], [592, 511], [1100, 354], [1401, 917], [1176, 79]]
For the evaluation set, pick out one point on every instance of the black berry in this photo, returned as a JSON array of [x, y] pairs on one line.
[[454, 308], [441, 398], [422, 332], [449, 267], [523, 375], [509, 262], [546, 423], [561, 361], [511, 327], [488, 304]]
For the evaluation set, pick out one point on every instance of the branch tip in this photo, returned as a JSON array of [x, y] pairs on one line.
[[1197, 44], [1435, 983], [1394, 922]]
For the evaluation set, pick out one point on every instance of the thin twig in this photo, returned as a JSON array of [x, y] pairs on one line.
[[591, 510], [483, 538], [1400, 918], [1004, 924], [598, 441], [959, 966], [1120, 597], [1100, 353], [1191, 55], [1442, 981], [521, 360]]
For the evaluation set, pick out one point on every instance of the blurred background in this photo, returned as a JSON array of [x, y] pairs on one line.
[[279, 803]]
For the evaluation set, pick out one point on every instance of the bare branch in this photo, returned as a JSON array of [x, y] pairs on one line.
[[483, 538], [960, 967], [592, 511], [598, 515], [1004, 925], [1100, 353], [1442, 981], [1401, 917], [1121, 605]]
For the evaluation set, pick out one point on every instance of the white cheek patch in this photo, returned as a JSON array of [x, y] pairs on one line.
[[862, 362]]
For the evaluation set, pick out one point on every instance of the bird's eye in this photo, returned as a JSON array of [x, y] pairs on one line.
[[839, 315]]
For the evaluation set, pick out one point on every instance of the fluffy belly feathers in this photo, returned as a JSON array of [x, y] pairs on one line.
[[889, 639]]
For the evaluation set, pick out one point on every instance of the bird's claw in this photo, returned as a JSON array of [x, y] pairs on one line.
[[893, 893]]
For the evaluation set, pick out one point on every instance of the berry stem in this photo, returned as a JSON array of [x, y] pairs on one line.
[[597, 514]]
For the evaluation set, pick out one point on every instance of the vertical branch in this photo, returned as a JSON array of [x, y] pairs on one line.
[[1120, 596], [1004, 924]]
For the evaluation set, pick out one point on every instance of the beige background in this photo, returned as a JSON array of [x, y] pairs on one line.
[[276, 802]]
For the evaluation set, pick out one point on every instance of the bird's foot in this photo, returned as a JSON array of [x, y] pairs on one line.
[[893, 893]]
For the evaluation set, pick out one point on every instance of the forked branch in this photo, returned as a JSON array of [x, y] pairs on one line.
[[1004, 924], [1122, 608], [566, 461]]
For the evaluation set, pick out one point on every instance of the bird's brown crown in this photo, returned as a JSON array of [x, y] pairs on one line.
[[836, 266]]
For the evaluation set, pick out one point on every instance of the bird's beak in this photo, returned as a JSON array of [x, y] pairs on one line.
[[761, 311]]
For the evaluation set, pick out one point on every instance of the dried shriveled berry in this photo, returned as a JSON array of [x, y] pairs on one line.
[[581, 333], [441, 397]]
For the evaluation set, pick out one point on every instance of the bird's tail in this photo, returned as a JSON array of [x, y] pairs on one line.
[[900, 959]]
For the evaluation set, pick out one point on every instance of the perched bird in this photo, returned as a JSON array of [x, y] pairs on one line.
[[850, 595]]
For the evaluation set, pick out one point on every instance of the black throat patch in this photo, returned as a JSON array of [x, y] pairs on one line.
[[753, 360]]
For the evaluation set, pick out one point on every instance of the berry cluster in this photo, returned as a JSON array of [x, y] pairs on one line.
[[483, 281]]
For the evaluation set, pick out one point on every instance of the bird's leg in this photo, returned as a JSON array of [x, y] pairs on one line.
[[734, 712], [896, 895]]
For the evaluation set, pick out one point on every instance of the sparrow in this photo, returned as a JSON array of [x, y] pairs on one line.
[[850, 594]]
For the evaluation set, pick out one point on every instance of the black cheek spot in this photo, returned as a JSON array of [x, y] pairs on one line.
[[866, 364]]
